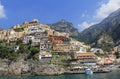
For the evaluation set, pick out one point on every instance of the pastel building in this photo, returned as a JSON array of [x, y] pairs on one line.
[[64, 48], [86, 58]]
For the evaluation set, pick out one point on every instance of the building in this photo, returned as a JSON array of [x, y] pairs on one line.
[[45, 44], [81, 48], [97, 50], [45, 55], [3, 34], [58, 39], [107, 60], [61, 34], [20, 34], [35, 29], [64, 48], [26, 39], [86, 58], [35, 38], [34, 22], [11, 34]]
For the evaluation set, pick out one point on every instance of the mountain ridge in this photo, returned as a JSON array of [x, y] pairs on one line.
[[110, 25], [65, 26]]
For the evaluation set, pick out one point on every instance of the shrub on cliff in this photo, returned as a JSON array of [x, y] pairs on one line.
[[19, 29]]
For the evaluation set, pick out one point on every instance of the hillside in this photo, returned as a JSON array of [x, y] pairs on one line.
[[110, 25]]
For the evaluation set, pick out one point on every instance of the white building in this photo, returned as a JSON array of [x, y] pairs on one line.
[[35, 29], [97, 50], [81, 49], [26, 39], [79, 45], [44, 55]]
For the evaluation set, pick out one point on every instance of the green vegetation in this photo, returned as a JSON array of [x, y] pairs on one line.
[[33, 52], [19, 29], [60, 59], [101, 55], [7, 51]]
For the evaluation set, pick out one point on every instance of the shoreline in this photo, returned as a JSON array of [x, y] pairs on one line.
[[57, 74], [35, 68]]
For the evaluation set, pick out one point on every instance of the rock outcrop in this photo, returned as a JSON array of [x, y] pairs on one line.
[[64, 26], [29, 67]]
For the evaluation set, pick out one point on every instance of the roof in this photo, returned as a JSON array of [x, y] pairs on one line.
[[85, 54], [45, 53]]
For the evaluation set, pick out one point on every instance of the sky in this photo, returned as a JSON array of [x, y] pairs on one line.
[[82, 13]]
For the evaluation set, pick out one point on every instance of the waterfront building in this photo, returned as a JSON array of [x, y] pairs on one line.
[[110, 59], [86, 58]]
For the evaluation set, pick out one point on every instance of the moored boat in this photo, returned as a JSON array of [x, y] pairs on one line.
[[88, 72]]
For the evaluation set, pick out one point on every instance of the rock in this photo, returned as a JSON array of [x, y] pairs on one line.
[[64, 26], [28, 67], [47, 70]]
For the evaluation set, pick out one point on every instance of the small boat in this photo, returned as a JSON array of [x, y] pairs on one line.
[[88, 72]]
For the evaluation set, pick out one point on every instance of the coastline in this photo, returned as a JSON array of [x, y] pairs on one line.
[[31, 68]]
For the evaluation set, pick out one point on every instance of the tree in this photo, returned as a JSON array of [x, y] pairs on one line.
[[33, 52], [117, 54], [30, 42]]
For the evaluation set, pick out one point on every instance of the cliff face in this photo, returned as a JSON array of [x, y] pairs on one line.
[[110, 25], [64, 26], [103, 41], [28, 68]]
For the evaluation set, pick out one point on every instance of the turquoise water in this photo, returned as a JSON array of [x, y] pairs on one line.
[[111, 75]]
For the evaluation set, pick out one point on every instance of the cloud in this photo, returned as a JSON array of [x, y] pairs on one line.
[[85, 25], [106, 8], [2, 11]]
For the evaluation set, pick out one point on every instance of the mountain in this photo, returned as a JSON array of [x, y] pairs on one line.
[[110, 26], [64, 26]]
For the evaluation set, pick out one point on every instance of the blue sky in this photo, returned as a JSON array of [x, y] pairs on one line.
[[82, 13]]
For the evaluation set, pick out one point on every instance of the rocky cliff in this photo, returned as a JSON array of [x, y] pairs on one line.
[[28, 67], [110, 25], [64, 26]]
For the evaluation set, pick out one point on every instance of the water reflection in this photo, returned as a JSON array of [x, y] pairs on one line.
[[112, 75], [89, 76]]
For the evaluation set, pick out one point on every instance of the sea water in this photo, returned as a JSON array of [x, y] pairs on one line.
[[111, 75]]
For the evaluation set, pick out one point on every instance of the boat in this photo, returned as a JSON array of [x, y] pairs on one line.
[[88, 72]]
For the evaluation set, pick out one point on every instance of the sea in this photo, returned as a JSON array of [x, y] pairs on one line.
[[111, 75]]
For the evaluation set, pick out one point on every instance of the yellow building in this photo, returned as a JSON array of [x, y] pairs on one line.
[[116, 49], [86, 58], [64, 48]]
